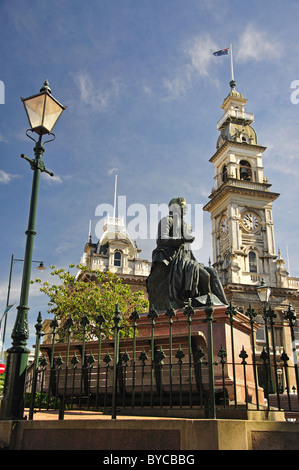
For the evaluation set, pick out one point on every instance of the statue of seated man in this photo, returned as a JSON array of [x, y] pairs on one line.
[[176, 276]]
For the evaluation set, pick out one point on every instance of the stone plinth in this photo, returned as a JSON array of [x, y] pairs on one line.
[[222, 338]]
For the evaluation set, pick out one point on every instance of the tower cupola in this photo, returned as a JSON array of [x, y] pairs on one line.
[[235, 123]]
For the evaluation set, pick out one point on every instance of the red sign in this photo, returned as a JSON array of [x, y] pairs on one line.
[[2, 368]]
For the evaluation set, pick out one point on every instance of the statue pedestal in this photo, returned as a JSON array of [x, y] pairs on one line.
[[235, 381]]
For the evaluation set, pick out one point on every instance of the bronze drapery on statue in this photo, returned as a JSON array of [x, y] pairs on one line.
[[176, 276]]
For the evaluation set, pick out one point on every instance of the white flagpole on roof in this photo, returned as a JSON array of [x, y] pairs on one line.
[[231, 61], [115, 191]]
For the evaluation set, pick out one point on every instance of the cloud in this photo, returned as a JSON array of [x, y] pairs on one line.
[[147, 90], [198, 58], [64, 246], [56, 179], [253, 44], [175, 87], [6, 178], [281, 142], [200, 51], [112, 171], [97, 97], [257, 45]]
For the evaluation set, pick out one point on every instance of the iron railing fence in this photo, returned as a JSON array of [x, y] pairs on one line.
[[164, 373]]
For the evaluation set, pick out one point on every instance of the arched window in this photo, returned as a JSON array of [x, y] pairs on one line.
[[117, 259], [252, 262], [224, 174], [245, 170]]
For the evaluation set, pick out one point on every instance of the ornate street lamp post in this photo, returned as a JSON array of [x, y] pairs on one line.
[[43, 111]]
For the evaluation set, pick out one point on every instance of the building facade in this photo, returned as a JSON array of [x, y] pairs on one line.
[[241, 203], [116, 252]]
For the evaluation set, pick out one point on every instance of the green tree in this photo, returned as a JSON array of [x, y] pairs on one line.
[[92, 293]]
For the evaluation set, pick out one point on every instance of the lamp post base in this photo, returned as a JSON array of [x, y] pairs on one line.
[[12, 404]]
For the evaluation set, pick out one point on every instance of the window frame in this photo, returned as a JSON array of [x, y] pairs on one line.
[[117, 261]]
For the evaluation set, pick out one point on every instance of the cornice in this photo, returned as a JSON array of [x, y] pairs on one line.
[[248, 288], [227, 188], [237, 144]]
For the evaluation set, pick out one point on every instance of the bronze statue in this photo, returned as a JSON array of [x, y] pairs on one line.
[[176, 276]]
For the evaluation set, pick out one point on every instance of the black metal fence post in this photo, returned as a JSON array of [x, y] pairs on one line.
[[43, 364], [231, 311], [170, 313], [142, 358], [265, 358], [68, 324], [243, 355], [152, 315], [189, 311], [273, 315], [179, 356], [53, 325], [107, 359], [74, 362], [209, 310], [159, 356], [270, 386], [100, 320], [291, 317], [117, 319], [58, 363], [252, 315], [90, 362], [285, 359], [134, 317], [222, 354], [84, 322], [38, 329]]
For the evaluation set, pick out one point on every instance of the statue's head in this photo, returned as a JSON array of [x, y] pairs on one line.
[[178, 205]]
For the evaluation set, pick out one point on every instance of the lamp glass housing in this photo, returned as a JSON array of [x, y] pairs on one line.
[[41, 266], [264, 292], [43, 111]]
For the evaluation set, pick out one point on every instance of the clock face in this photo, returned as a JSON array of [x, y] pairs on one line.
[[224, 226], [250, 221]]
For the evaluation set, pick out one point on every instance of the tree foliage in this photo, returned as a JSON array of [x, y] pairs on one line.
[[91, 293]]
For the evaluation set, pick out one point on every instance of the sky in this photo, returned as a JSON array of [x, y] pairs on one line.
[[143, 93]]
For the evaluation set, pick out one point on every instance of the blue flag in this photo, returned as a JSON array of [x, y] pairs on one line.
[[222, 52]]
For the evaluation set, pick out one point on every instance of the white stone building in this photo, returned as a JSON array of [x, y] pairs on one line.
[[118, 253]]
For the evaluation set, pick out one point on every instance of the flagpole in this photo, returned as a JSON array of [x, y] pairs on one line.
[[89, 232], [231, 62], [115, 190]]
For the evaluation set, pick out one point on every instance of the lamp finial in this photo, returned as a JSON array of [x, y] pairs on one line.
[[46, 87]]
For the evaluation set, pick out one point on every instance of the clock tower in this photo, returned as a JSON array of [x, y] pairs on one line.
[[241, 200]]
